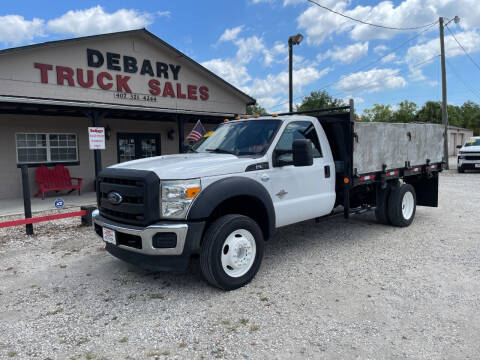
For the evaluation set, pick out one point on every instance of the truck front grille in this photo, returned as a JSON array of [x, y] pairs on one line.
[[139, 192], [472, 157]]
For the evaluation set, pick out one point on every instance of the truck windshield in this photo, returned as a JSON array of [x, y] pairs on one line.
[[250, 137], [473, 142]]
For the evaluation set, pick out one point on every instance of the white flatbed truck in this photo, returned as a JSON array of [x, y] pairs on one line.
[[224, 199]]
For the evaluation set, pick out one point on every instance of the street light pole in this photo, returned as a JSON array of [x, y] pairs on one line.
[[292, 40], [444, 94]]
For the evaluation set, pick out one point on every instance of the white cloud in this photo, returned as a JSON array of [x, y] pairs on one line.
[[372, 81], [389, 58], [348, 54], [231, 34], [319, 24], [356, 99], [273, 89], [15, 29], [164, 14], [96, 21], [380, 49], [292, 2], [234, 73], [422, 54]]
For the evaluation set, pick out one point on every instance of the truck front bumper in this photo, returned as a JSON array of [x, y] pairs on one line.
[[468, 164], [165, 246]]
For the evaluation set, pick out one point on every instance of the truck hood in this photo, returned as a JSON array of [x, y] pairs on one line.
[[191, 165], [470, 149]]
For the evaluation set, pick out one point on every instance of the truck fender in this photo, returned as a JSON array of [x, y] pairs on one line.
[[227, 188]]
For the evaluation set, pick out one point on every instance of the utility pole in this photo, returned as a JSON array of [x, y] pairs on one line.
[[444, 94]]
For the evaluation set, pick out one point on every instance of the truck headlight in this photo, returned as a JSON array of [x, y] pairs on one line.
[[177, 196]]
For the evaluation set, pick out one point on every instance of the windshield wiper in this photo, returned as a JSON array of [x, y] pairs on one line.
[[222, 151]]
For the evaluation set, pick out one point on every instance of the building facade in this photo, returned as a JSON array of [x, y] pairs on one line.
[[457, 136], [145, 93]]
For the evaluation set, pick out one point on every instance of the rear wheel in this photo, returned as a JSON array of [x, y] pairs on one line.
[[402, 204], [232, 251]]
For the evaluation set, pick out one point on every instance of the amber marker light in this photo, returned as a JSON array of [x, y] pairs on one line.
[[192, 192], [346, 180], [274, 115], [256, 116]]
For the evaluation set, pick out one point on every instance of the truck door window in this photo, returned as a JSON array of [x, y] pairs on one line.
[[294, 131]]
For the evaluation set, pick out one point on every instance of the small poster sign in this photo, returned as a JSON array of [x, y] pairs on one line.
[[96, 138]]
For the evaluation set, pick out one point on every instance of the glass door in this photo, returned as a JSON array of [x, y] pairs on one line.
[[131, 146]]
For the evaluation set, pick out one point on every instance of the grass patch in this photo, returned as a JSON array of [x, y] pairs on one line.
[[62, 266], [123, 340], [82, 341], [254, 328], [12, 354], [54, 312], [243, 321]]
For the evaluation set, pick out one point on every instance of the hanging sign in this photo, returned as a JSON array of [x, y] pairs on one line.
[[96, 138]]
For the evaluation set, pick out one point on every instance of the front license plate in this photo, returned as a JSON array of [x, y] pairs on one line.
[[477, 165], [109, 236]]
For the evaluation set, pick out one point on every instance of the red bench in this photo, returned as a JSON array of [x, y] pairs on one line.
[[55, 179]]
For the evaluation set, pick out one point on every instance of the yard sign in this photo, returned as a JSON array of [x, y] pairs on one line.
[[96, 138]]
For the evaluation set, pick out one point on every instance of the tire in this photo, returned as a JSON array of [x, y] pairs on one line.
[[402, 204], [232, 251], [460, 169], [381, 210]]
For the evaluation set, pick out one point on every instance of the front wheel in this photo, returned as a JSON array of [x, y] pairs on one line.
[[232, 251], [402, 204], [460, 169]]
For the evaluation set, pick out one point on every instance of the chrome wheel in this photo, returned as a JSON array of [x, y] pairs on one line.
[[408, 204], [238, 253]]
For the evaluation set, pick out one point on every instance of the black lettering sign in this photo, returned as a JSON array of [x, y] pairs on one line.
[[94, 58], [147, 68], [175, 70], [162, 68], [113, 61], [130, 64]]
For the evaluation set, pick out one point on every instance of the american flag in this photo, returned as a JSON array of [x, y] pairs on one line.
[[197, 132]]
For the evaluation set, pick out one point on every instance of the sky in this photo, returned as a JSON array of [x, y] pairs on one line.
[[246, 43]]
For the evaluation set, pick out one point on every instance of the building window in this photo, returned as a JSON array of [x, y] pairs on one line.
[[46, 148]]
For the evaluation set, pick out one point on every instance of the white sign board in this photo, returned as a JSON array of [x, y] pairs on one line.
[[96, 138]]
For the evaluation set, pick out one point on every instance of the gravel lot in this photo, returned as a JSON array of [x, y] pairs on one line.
[[331, 290]]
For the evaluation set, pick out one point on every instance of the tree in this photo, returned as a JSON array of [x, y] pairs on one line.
[[379, 113], [431, 112], [405, 113], [319, 100], [256, 109]]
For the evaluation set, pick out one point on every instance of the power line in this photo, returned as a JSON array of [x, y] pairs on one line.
[[461, 46], [371, 24], [365, 66]]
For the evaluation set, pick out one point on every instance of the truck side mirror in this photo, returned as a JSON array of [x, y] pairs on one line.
[[302, 152], [459, 146]]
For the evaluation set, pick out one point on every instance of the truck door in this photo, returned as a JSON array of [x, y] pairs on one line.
[[301, 193]]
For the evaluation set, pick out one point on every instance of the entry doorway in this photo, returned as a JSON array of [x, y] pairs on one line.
[[132, 146]]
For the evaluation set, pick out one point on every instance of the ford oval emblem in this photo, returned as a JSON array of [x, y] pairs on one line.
[[114, 197]]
